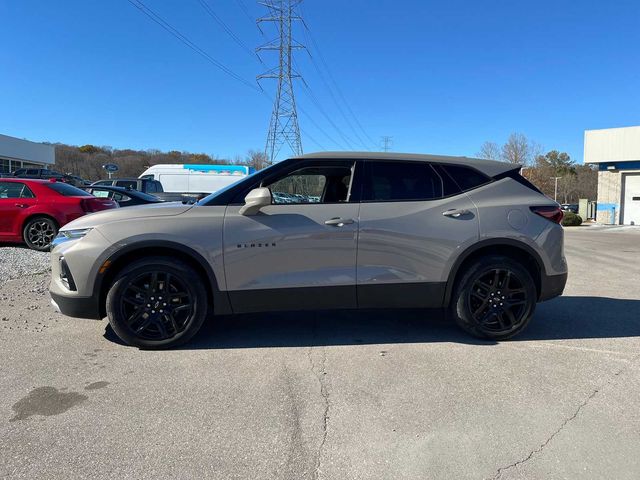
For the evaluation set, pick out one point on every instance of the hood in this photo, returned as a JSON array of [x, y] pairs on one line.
[[128, 213]]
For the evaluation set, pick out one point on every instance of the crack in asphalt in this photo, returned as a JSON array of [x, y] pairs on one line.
[[320, 373], [501, 470]]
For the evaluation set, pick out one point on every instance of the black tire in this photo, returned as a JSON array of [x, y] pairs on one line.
[[157, 303], [39, 232], [494, 298]]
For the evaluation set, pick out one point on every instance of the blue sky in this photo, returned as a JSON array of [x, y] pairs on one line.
[[439, 77]]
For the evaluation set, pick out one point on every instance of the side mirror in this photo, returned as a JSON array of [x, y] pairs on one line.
[[255, 200]]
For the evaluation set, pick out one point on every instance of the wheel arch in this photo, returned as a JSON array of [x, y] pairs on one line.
[[136, 251], [499, 246]]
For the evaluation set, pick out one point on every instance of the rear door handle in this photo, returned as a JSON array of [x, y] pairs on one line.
[[456, 212], [338, 222]]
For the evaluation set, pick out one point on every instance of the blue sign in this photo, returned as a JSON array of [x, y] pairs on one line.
[[111, 167]]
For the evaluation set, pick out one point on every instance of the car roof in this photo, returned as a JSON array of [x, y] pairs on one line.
[[26, 180], [489, 167]]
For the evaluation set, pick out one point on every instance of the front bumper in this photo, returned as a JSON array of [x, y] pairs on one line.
[[552, 286], [78, 307]]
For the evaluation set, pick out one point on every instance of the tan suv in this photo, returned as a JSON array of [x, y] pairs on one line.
[[322, 231]]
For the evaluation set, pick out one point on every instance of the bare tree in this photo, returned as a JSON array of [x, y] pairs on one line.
[[257, 159], [490, 151], [517, 149]]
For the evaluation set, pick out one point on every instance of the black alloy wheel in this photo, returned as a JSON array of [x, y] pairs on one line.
[[157, 303], [498, 301], [494, 298]]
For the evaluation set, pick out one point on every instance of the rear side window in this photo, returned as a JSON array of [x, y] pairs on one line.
[[132, 184], [466, 178], [401, 181], [15, 190], [105, 183], [518, 178], [67, 190]]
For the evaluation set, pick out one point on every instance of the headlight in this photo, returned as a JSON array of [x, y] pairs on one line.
[[73, 234], [67, 235]]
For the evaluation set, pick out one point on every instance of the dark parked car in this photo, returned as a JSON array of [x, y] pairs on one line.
[[126, 197], [46, 174], [570, 207], [140, 184]]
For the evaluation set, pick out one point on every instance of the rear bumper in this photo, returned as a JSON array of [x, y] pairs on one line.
[[78, 307], [552, 286]]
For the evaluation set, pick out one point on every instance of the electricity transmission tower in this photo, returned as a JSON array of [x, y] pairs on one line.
[[283, 128], [386, 143]]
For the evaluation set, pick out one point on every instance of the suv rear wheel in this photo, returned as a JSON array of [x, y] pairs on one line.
[[495, 298], [157, 303]]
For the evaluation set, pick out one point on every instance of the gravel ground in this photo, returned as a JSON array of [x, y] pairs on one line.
[[16, 262]]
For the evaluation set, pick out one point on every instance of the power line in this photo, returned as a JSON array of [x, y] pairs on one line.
[[311, 40], [182, 38], [244, 8], [228, 30]]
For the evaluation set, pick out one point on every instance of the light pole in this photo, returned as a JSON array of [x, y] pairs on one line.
[[555, 190]]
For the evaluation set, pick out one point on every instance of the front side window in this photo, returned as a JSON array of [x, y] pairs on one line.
[[401, 181], [322, 184], [15, 190]]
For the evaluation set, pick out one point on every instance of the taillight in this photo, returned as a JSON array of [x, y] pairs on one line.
[[553, 213]]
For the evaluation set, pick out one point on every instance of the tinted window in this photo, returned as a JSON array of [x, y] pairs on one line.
[[33, 171], [132, 184], [328, 184], [104, 182], [151, 187], [67, 190], [389, 181], [466, 178], [14, 190]]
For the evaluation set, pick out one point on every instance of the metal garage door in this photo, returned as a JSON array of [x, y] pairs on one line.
[[631, 212]]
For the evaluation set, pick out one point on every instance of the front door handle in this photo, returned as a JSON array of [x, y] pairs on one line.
[[21, 205], [456, 212], [338, 222]]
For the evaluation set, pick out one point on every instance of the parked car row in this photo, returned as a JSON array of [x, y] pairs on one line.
[[32, 211]]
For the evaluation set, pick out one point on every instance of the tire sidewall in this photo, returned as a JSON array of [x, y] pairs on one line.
[[460, 306], [187, 276], [25, 231]]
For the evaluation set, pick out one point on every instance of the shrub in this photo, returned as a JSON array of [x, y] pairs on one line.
[[570, 219]]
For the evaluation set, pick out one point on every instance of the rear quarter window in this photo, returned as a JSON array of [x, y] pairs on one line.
[[67, 190], [466, 178]]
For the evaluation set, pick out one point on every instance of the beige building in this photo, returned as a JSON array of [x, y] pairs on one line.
[[616, 152]]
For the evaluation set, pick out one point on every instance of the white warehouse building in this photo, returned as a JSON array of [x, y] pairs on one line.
[[16, 153], [616, 153]]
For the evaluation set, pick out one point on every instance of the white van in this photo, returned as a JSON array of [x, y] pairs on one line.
[[196, 178]]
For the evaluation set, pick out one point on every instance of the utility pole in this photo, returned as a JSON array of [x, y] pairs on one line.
[[283, 128], [555, 191], [386, 143]]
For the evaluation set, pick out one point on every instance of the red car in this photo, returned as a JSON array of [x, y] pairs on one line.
[[33, 210]]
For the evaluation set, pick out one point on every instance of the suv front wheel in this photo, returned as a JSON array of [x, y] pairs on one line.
[[157, 303], [495, 298]]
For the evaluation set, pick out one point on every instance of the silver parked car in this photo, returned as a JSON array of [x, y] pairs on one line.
[[322, 231]]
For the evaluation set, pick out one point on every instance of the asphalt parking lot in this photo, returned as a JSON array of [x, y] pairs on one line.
[[342, 395]]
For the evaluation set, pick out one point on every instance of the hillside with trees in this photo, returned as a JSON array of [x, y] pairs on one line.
[[86, 161]]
